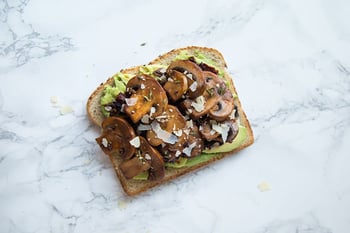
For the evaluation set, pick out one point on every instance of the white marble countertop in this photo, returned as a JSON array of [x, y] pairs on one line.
[[291, 65]]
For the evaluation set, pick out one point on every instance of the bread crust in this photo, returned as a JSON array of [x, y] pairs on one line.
[[134, 187]]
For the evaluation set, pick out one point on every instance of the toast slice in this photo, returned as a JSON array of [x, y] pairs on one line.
[[133, 186]]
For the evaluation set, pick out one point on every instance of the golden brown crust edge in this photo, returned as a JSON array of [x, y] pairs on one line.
[[133, 187]]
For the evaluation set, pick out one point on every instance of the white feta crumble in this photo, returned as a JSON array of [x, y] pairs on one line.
[[145, 119], [187, 150], [177, 154], [193, 86], [198, 105], [147, 157], [135, 142], [178, 132], [221, 129], [131, 101], [105, 142]]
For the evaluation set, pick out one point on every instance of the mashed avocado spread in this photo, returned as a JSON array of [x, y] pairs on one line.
[[120, 80]]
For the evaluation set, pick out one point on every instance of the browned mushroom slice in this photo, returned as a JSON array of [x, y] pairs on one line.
[[116, 134], [196, 82], [224, 106], [165, 127], [177, 85], [147, 158], [146, 96], [222, 110], [207, 132], [199, 106], [157, 169], [134, 166]]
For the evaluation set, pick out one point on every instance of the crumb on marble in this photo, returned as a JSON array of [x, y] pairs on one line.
[[264, 186], [122, 204], [66, 109], [54, 101]]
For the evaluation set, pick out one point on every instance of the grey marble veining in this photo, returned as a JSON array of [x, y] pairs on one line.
[[291, 66]]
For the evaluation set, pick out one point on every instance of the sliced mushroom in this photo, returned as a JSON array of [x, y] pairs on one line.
[[163, 126], [222, 110], [157, 169], [234, 128], [134, 166], [224, 106], [147, 158], [198, 108], [146, 96], [207, 132], [196, 82], [116, 136], [177, 85]]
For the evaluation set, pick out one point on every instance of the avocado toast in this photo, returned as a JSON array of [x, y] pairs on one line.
[[177, 114]]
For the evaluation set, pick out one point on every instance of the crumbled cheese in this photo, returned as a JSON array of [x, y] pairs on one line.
[[193, 86], [221, 129], [178, 132], [66, 109], [198, 105], [147, 157], [142, 86], [143, 127], [187, 151], [153, 110], [177, 154], [135, 142], [131, 101], [189, 75], [108, 108], [164, 135], [264, 186], [145, 119], [189, 123], [232, 115], [105, 142]]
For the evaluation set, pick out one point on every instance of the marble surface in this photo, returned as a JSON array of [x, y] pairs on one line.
[[291, 65]]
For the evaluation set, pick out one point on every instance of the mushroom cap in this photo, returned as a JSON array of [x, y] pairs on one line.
[[116, 136], [222, 110], [193, 73], [177, 85], [148, 97]]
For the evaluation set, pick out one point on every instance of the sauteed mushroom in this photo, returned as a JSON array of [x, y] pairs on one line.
[[145, 96], [147, 158], [116, 134], [196, 82], [177, 85], [217, 100], [163, 126]]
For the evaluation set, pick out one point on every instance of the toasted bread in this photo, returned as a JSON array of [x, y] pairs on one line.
[[132, 186]]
